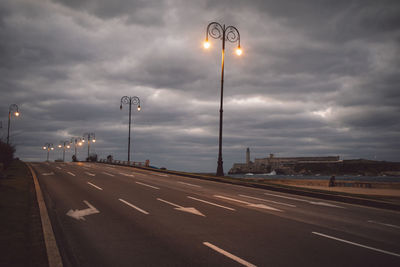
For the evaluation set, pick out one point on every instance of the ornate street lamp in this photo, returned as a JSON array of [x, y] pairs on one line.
[[91, 137], [131, 100], [48, 147], [12, 110], [231, 34], [64, 145], [76, 141]]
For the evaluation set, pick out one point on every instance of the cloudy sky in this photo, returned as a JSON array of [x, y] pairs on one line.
[[316, 78]]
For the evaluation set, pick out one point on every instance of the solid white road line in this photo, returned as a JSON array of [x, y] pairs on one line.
[[356, 244], [307, 201], [70, 173], [261, 206], [126, 174], [133, 206], [95, 186], [217, 205], [148, 185], [194, 185], [109, 174], [90, 174], [229, 255], [53, 253], [385, 224], [275, 202]]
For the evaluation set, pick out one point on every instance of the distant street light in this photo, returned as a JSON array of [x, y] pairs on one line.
[[131, 100], [64, 145], [12, 110], [76, 141], [48, 147], [90, 137], [231, 34]]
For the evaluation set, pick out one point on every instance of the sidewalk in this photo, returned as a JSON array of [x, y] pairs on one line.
[[21, 235]]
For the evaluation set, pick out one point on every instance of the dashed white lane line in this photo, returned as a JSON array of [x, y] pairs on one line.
[[133, 206], [307, 201], [126, 174], [194, 185], [154, 187], [270, 201], [90, 174], [70, 173], [214, 204], [58, 168], [109, 174], [48, 173], [160, 174], [357, 244], [261, 206], [385, 224], [229, 255], [95, 186]]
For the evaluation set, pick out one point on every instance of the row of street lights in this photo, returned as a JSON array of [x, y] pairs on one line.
[[214, 30], [75, 141]]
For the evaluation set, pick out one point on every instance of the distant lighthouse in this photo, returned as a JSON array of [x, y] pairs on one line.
[[248, 156]]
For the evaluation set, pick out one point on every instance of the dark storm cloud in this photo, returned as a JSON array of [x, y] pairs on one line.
[[316, 78]]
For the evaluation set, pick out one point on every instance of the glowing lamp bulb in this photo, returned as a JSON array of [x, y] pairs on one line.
[[59, 146], [68, 146], [206, 44], [16, 113], [239, 51], [139, 108], [44, 148], [80, 143], [52, 148]]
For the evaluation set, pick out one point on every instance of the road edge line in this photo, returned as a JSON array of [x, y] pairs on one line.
[[53, 253]]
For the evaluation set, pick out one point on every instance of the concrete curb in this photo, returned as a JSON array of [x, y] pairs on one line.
[[285, 189], [53, 254]]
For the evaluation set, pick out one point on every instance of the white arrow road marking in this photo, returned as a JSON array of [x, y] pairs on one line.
[[356, 244], [148, 185], [128, 175], [80, 214], [229, 255], [307, 201], [217, 205], [95, 186], [70, 173], [160, 174], [275, 202], [48, 173], [58, 168], [194, 185], [385, 224], [109, 174], [133, 206], [90, 174], [261, 206], [180, 208]]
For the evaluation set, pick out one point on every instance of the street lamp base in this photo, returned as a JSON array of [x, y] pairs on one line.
[[220, 169]]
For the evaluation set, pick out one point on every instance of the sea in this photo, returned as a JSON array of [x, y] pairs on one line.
[[320, 177]]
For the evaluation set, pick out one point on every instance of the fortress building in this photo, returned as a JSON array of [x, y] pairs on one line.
[[278, 165]]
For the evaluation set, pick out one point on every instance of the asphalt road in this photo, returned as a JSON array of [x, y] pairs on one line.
[[107, 215]]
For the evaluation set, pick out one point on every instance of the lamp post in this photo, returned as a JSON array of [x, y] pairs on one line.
[[131, 100], [76, 141], [64, 145], [90, 137], [48, 147], [13, 109], [231, 34]]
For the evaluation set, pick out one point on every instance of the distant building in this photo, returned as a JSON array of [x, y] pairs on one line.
[[279, 165]]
